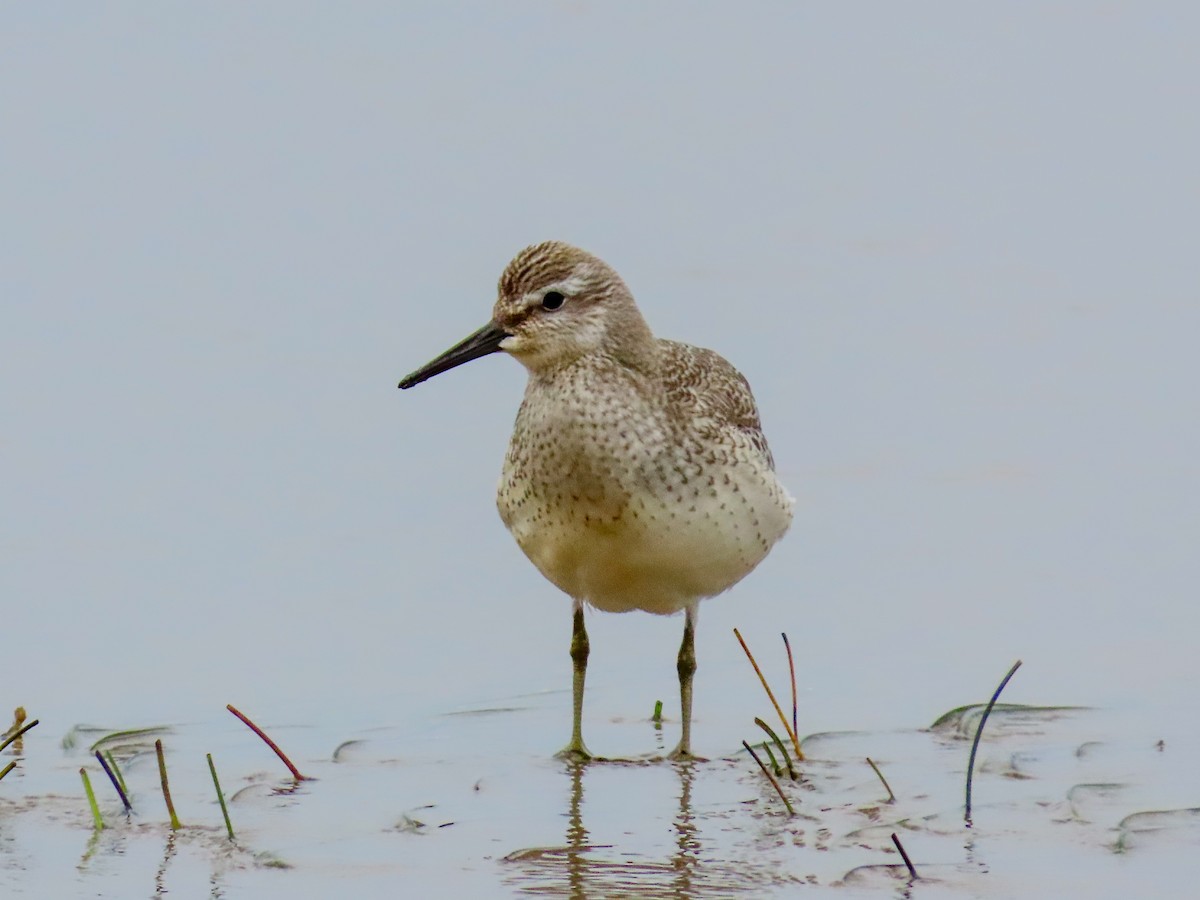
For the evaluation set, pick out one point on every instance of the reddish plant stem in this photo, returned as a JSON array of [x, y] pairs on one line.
[[270, 743]]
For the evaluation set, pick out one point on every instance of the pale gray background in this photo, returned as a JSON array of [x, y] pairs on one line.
[[953, 247]]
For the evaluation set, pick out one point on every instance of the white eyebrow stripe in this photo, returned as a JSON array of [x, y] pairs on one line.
[[568, 286]]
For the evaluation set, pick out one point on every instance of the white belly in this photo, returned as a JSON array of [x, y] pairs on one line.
[[655, 551]]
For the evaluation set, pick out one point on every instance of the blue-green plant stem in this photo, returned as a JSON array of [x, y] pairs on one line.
[[979, 733], [792, 671], [113, 778]]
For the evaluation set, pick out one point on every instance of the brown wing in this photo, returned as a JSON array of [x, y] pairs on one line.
[[718, 395]]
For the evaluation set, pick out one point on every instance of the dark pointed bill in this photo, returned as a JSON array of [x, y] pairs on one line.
[[486, 340]]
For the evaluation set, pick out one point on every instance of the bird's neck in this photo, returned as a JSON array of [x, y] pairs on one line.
[[632, 344]]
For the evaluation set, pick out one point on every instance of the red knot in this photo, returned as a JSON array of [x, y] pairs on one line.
[[638, 475]]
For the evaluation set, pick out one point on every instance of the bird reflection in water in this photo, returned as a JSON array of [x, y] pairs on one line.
[[580, 870]]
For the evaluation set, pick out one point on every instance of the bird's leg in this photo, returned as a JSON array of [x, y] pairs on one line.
[[686, 665], [576, 749]]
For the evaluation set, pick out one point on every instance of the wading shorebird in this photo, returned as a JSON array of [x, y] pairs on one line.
[[638, 475]]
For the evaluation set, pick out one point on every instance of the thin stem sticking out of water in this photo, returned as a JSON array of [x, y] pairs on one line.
[[97, 822], [792, 672], [113, 778], [166, 788], [979, 733], [12, 765], [766, 687], [112, 762], [778, 743], [774, 783], [220, 796], [657, 717], [270, 743], [891, 797], [16, 734], [912, 872], [775, 767]]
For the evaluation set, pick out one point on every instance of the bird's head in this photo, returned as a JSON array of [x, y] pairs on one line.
[[555, 304]]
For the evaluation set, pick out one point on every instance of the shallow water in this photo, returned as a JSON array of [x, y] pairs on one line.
[[1069, 800], [954, 254]]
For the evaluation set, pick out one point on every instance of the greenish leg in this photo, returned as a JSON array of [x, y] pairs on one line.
[[579, 656], [686, 665]]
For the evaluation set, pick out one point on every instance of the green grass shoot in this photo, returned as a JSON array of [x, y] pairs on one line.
[[97, 821], [166, 788], [891, 797], [112, 763], [775, 767], [778, 743], [220, 796]]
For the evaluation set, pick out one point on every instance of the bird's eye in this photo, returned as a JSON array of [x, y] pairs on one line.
[[552, 300]]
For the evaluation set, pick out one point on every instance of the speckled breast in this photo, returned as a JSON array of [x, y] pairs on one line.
[[618, 509]]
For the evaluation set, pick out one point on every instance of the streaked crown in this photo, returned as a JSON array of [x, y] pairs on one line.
[[559, 303]]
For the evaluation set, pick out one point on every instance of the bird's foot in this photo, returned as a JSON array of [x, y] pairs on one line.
[[683, 753], [575, 751]]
